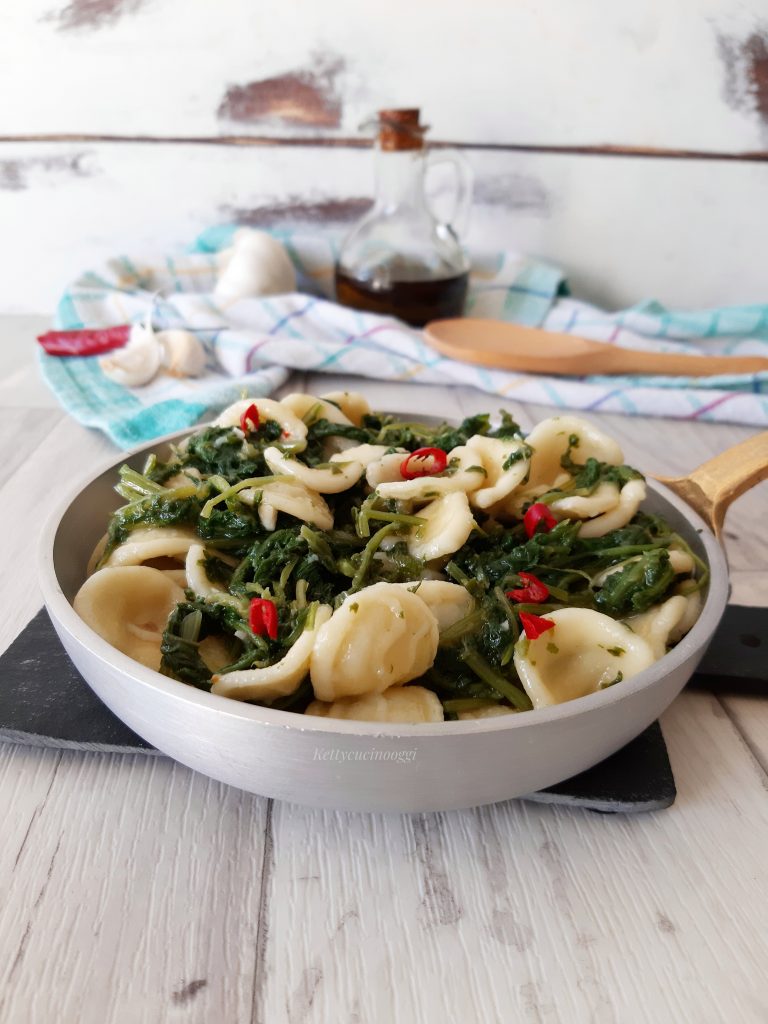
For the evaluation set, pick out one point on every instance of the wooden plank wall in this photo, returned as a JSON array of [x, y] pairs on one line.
[[628, 143]]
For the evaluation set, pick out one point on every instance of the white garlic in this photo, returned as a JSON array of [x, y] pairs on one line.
[[256, 264], [137, 363], [182, 354]]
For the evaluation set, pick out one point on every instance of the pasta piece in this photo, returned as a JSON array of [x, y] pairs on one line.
[[584, 652], [656, 625], [680, 562], [342, 476], [386, 469], [379, 637], [459, 477], [148, 542], [352, 404], [129, 606], [693, 603], [448, 602], [604, 498], [364, 453], [449, 523], [492, 711], [269, 409], [295, 499], [409, 705], [630, 497], [277, 680], [96, 555], [214, 652], [498, 483], [309, 409], [550, 440], [197, 578]]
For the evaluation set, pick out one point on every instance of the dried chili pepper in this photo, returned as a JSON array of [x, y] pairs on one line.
[[535, 625], [85, 342], [262, 617], [534, 591], [423, 462], [538, 516]]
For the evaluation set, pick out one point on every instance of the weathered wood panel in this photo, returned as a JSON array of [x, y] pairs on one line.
[[692, 75], [687, 233]]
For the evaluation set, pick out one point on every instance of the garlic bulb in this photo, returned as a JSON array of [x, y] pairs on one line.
[[256, 264]]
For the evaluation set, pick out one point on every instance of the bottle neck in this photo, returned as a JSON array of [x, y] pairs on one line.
[[399, 178]]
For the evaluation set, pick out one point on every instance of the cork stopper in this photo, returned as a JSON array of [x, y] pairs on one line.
[[400, 129]]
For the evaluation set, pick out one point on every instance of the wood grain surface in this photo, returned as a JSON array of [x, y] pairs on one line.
[[628, 144], [133, 891]]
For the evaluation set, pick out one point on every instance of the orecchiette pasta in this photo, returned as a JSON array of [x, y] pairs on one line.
[[197, 578], [276, 680], [146, 543], [498, 483], [449, 523], [295, 499], [352, 404], [550, 440], [655, 626], [448, 602], [381, 636], [342, 475], [462, 475], [129, 606], [409, 705], [492, 711], [584, 652], [604, 498], [308, 408], [386, 469], [630, 497], [291, 425]]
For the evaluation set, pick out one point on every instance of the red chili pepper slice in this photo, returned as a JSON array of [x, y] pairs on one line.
[[250, 419], [534, 591], [538, 516], [86, 342], [535, 625], [423, 462], [262, 617]]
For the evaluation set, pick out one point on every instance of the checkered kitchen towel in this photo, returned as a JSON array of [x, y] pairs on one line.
[[253, 345]]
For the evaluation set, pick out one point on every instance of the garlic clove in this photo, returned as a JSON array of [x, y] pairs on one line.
[[137, 363], [181, 353]]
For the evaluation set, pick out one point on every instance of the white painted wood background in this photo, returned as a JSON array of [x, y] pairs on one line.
[[628, 143], [134, 891]]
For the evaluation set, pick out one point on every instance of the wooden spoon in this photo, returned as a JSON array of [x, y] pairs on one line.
[[711, 488], [508, 346]]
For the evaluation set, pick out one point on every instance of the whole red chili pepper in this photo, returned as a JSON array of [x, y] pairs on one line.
[[85, 342], [262, 617], [534, 591], [423, 462], [535, 625], [538, 516], [250, 419]]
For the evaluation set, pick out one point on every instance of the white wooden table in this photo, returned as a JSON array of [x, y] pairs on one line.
[[133, 890]]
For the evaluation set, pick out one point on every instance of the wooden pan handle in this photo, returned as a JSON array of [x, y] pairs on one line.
[[712, 487]]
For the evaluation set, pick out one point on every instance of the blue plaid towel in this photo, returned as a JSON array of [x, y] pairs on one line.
[[254, 344]]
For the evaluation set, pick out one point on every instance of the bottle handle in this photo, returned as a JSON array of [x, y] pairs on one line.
[[459, 218]]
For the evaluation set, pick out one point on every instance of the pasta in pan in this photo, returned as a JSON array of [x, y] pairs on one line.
[[312, 556]]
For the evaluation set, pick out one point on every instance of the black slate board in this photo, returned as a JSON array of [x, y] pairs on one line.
[[45, 702]]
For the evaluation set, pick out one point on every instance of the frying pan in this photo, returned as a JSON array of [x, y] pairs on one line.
[[370, 766]]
